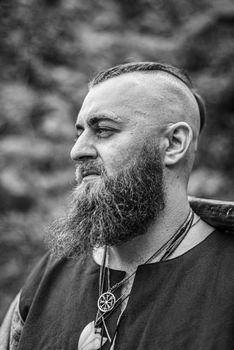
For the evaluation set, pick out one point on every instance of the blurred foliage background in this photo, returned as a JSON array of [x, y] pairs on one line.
[[50, 49]]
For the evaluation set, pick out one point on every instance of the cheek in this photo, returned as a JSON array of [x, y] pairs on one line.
[[120, 157]]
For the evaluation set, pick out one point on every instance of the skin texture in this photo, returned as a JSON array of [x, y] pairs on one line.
[[116, 119]]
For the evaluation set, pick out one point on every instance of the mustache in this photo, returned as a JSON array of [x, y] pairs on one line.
[[84, 167]]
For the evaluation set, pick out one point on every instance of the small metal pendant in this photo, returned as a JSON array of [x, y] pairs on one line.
[[106, 302]]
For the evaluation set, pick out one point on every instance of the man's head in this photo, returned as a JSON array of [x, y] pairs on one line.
[[130, 104], [137, 135]]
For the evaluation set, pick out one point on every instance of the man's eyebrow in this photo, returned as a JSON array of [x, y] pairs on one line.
[[99, 118], [95, 119]]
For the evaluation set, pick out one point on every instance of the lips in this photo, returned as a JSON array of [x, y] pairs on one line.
[[89, 172]]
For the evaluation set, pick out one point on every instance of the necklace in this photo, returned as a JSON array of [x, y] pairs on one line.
[[107, 301]]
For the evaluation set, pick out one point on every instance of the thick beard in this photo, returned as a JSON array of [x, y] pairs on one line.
[[113, 210]]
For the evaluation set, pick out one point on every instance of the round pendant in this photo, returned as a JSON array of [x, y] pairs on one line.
[[106, 302]]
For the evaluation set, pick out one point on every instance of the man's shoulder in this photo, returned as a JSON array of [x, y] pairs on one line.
[[214, 255], [222, 251], [225, 238], [50, 272], [221, 241], [49, 265], [43, 267]]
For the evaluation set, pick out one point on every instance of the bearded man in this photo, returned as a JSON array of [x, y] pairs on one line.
[[131, 266]]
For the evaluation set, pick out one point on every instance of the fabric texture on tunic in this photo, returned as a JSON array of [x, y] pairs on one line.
[[12, 327], [183, 303]]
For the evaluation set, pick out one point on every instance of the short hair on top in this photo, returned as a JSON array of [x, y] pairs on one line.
[[152, 66]]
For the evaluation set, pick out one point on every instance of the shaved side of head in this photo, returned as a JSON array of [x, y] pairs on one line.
[[154, 67], [170, 101], [171, 97]]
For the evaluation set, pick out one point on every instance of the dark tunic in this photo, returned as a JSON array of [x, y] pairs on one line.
[[183, 303]]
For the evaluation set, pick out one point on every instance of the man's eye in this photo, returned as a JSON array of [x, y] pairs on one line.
[[104, 132], [77, 136]]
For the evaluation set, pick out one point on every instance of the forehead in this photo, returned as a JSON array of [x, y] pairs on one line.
[[134, 95]]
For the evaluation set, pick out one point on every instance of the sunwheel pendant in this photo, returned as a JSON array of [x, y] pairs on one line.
[[106, 302]]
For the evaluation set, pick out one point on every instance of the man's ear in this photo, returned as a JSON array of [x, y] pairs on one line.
[[178, 137]]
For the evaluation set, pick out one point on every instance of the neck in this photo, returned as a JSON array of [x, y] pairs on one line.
[[135, 252], [127, 256]]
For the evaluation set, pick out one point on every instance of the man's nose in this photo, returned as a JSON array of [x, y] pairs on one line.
[[83, 148]]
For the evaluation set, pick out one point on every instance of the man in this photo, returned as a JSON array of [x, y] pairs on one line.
[[131, 266]]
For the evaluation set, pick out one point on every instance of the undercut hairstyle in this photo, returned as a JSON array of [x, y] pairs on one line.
[[152, 67]]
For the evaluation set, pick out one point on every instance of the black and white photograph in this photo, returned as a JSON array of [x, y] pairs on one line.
[[117, 175]]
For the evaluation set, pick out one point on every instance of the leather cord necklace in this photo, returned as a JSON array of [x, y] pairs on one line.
[[107, 302]]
